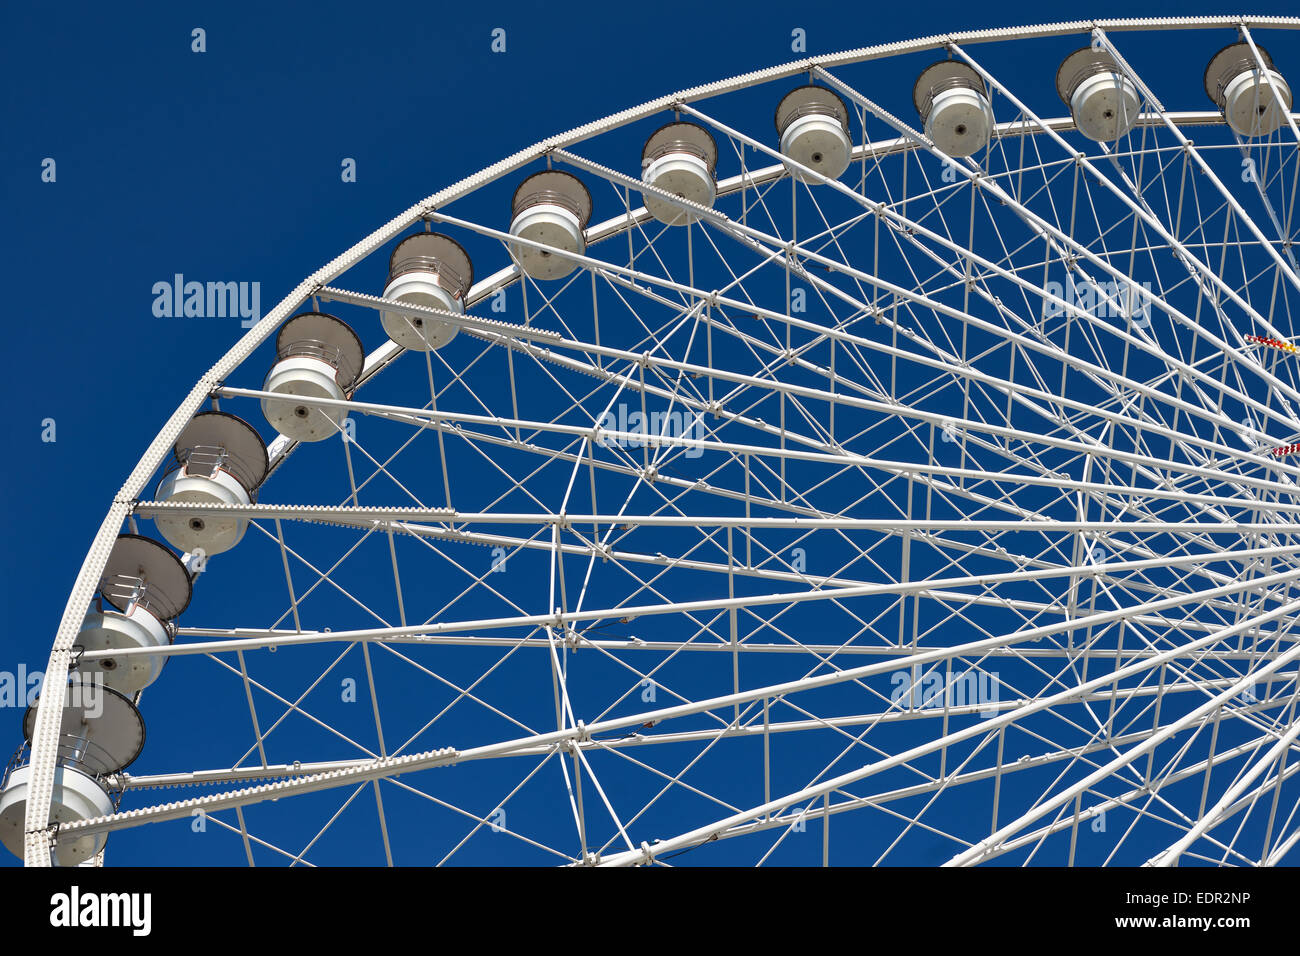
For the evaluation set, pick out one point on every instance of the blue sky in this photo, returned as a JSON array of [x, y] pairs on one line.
[[225, 166]]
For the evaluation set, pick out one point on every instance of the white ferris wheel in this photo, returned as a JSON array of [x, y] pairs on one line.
[[907, 480]]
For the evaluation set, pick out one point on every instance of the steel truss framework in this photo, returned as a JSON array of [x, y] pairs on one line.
[[940, 560]]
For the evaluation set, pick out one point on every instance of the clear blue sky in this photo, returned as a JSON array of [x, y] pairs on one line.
[[226, 165]]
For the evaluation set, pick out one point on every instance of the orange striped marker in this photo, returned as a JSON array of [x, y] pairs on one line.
[[1274, 344]]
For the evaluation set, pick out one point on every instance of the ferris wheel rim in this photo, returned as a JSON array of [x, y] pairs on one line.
[[38, 841]]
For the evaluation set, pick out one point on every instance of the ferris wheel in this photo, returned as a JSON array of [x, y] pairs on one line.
[[889, 457]]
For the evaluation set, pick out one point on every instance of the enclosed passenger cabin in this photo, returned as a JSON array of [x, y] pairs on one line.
[[431, 270], [1103, 101], [317, 356], [143, 589], [681, 159], [953, 103], [218, 459], [100, 734], [1243, 91], [813, 124], [551, 208]]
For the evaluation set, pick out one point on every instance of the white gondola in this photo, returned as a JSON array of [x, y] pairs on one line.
[[317, 356], [218, 459], [143, 589], [681, 159], [427, 269], [953, 103], [1243, 92], [100, 735], [552, 208], [813, 124], [1103, 101]]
